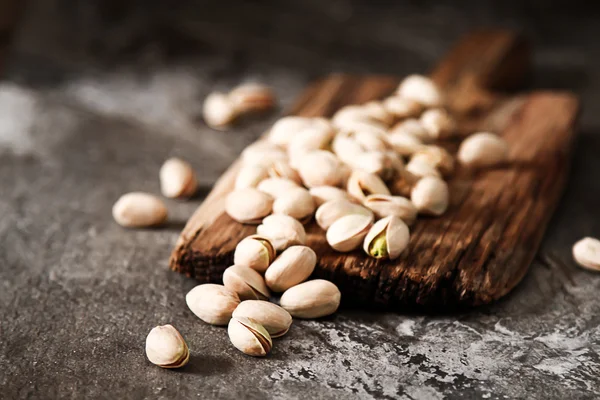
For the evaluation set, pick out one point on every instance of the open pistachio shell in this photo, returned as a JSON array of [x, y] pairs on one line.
[[361, 184], [387, 238], [249, 337], [166, 347], [256, 252], [273, 318], [347, 233], [246, 282], [385, 206], [249, 205], [333, 210]]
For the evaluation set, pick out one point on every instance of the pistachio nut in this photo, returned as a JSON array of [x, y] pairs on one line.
[[405, 144], [333, 210], [350, 116], [385, 164], [361, 184], [212, 303], [401, 107], [438, 123], [420, 168], [249, 205], [218, 110], [273, 318], [312, 138], [377, 111], [139, 210], [371, 141], [430, 195], [586, 253], [347, 233], [319, 168], [177, 179], [420, 89], [297, 203], [282, 230], [287, 128], [437, 157], [246, 282], [282, 169], [249, 337], [413, 127], [292, 267], [263, 153], [249, 176], [323, 194], [166, 347], [346, 147], [252, 97], [276, 187], [312, 299], [483, 149], [387, 238], [256, 252], [385, 206]]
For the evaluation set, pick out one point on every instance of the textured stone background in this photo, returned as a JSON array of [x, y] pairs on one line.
[[95, 97]]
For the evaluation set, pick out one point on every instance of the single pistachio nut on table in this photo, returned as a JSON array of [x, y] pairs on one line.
[[401, 107], [282, 169], [387, 238], [437, 157], [218, 111], [323, 194], [347, 233], [252, 97], [483, 149], [333, 210], [212, 303], [438, 123], [166, 347], [246, 282], [248, 206], [430, 195], [405, 144], [297, 203], [421, 168], [283, 231], [272, 317], [413, 127], [420, 89], [256, 252], [587, 253], [319, 168], [249, 337], [311, 299], [139, 210], [384, 206], [263, 153], [249, 176], [361, 184], [276, 187], [177, 179], [292, 267]]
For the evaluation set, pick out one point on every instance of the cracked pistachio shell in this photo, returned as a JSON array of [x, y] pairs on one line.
[[276, 187], [246, 282], [421, 168], [248, 206], [333, 210], [437, 157], [287, 128], [166, 347], [292, 267], [177, 179], [297, 203], [263, 153], [387, 238], [483, 149], [249, 337], [405, 144], [139, 210], [311, 139], [438, 123], [412, 127], [323, 194], [347, 233], [252, 97], [319, 168], [586, 253], [385, 206], [283, 231], [420, 89], [249, 176], [212, 303], [430, 195], [256, 252], [312, 299], [282, 169], [361, 184], [218, 110], [401, 107], [273, 318]]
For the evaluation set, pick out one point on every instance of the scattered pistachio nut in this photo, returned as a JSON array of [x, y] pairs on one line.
[[276, 187], [283, 231], [387, 238], [430, 196], [249, 205], [246, 282], [297, 203], [320, 168], [139, 210], [347, 233], [361, 184], [273, 318], [405, 144], [438, 123], [292, 267], [249, 176], [177, 179], [282, 169], [312, 299], [437, 157], [218, 110], [421, 168], [252, 97], [333, 210], [212, 303], [166, 347], [420, 89], [323, 194], [413, 127], [483, 149], [587, 253], [385, 206], [401, 107], [249, 337], [256, 252]]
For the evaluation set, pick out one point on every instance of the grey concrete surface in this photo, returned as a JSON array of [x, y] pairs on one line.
[[97, 96]]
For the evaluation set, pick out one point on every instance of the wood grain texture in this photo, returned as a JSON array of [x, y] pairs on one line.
[[481, 248]]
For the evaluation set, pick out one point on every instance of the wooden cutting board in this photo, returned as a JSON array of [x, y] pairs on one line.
[[482, 247]]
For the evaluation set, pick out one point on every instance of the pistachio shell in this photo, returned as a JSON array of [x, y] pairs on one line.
[[249, 337], [139, 210], [248, 205], [586, 253], [430, 195], [166, 347], [438, 123], [346, 147], [347, 233], [420, 89], [283, 231], [323, 194], [413, 127], [420, 168], [310, 139], [404, 144], [263, 153], [319, 168], [252, 97], [287, 128], [372, 113], [333, 210], [218, 110], [312, 299], [212, 303], [292, 267], [483, 149], [437, 157], [297, 203], [273, 318], [277, 186], [385, 206], [249, 176], [246, 282], [256, 252], [401, 107], [387, 238], [282, 169], [379, 163], [361, 184], [177, 179]]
